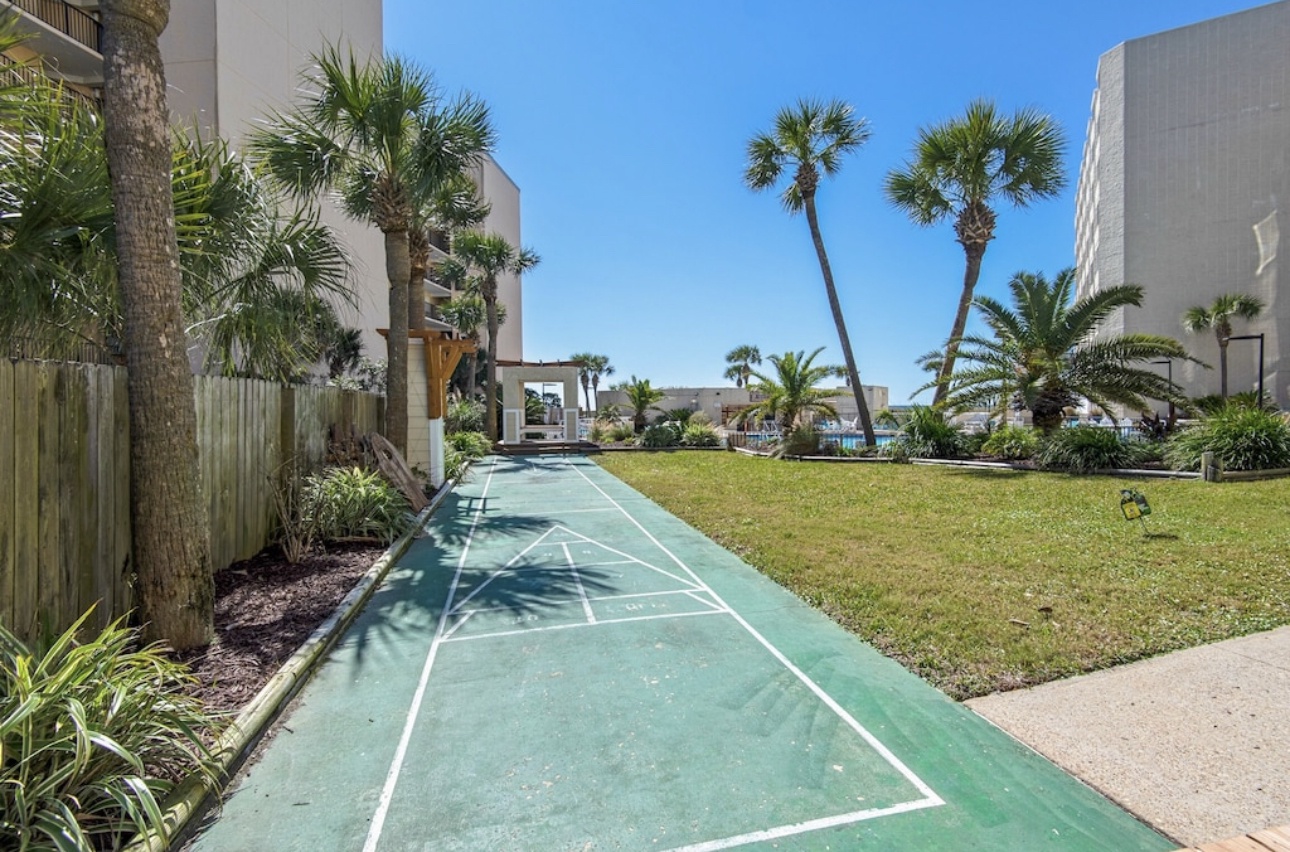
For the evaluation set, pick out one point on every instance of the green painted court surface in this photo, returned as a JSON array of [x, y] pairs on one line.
[[561, 665]]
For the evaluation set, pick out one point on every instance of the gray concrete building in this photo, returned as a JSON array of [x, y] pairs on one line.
[[1183, 184]]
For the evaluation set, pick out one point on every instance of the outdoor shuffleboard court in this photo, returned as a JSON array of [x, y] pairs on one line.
[[561, 665]]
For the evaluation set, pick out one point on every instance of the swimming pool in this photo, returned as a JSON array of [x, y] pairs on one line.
[[847, 440]]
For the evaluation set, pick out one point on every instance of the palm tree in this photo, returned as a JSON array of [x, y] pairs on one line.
[[467, 313], [453, 205], [1042, 356], [641, 396], [492, 256], [584, 374], [600, 368], [593, 368], [741, 360], [170, 543], [810, 138], [247, 267], [382, 135], [791, 392], [959, 168], [1218, 316]]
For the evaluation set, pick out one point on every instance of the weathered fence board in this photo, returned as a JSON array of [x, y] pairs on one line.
[[8, 508], [65, 478]]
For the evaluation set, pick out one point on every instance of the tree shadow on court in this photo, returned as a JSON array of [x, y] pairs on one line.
[[409, 603]]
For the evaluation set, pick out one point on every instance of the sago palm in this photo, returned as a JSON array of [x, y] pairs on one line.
[[958, 170], [491, 257], [808, 139], [641, 396], [1219, 316], [791, 391], [1043, 357], [741, 360], [384, 138]]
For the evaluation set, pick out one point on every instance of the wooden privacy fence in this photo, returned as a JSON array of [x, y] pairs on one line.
[[65, 478]]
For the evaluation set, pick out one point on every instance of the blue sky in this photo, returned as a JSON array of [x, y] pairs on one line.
[[625, 124]]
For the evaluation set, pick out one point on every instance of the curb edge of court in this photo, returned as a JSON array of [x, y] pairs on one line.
[[190, 798]]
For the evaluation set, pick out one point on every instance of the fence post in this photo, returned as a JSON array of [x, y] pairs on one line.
[[1210, 471], [287, 425]]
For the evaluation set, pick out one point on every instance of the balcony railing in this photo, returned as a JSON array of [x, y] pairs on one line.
[[17, 72], [67, 19]]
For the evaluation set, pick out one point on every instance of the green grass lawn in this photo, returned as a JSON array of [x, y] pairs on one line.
[[952, 572]]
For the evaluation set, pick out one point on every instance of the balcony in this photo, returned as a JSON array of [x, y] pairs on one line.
[[17, 72], [69, 39], [434, 322]]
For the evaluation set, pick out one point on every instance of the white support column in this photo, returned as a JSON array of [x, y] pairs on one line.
[[418, 407], [512, 422], [437, 467]]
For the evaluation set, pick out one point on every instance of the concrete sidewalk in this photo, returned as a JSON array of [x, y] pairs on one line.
[[1195, 743]]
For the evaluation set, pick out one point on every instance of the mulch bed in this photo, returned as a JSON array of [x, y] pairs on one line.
[[265, 608]]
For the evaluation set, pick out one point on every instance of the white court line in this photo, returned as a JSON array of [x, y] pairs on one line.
[[803, 827], [387, 793], [930, 799], [500, 571], [582, 593], [593, 599], [581, 538], [400, 753], [582, 624], [563, 512]]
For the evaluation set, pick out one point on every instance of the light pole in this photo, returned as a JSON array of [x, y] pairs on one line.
[[1258, 337], [1169, 363]]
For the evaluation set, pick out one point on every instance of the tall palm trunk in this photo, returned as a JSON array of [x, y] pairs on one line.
[[1222, 361], [971, 273], [586, 391], [974, 228], [419, 263], [398, 269], [169, 527], [489, 291], [844, 340]]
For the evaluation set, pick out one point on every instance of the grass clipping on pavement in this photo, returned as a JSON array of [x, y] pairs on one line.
[[984, 580]]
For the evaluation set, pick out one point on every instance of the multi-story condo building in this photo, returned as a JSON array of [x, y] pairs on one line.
[[228, 63], [1185, 184]]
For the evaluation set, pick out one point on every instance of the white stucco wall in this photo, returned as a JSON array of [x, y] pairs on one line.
[[504, 219], [1188, 153], [230, 62]]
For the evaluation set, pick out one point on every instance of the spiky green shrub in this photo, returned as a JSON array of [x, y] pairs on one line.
[[660, 436], [464, 415], [92, 736], [1214, 403], [700, 435], [621, 432], [598, 433], [473, 445], [1240, 438], [1011, 442], [356, 503], [1082, 449], [926, 435], [801, 441], [455, 463]]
